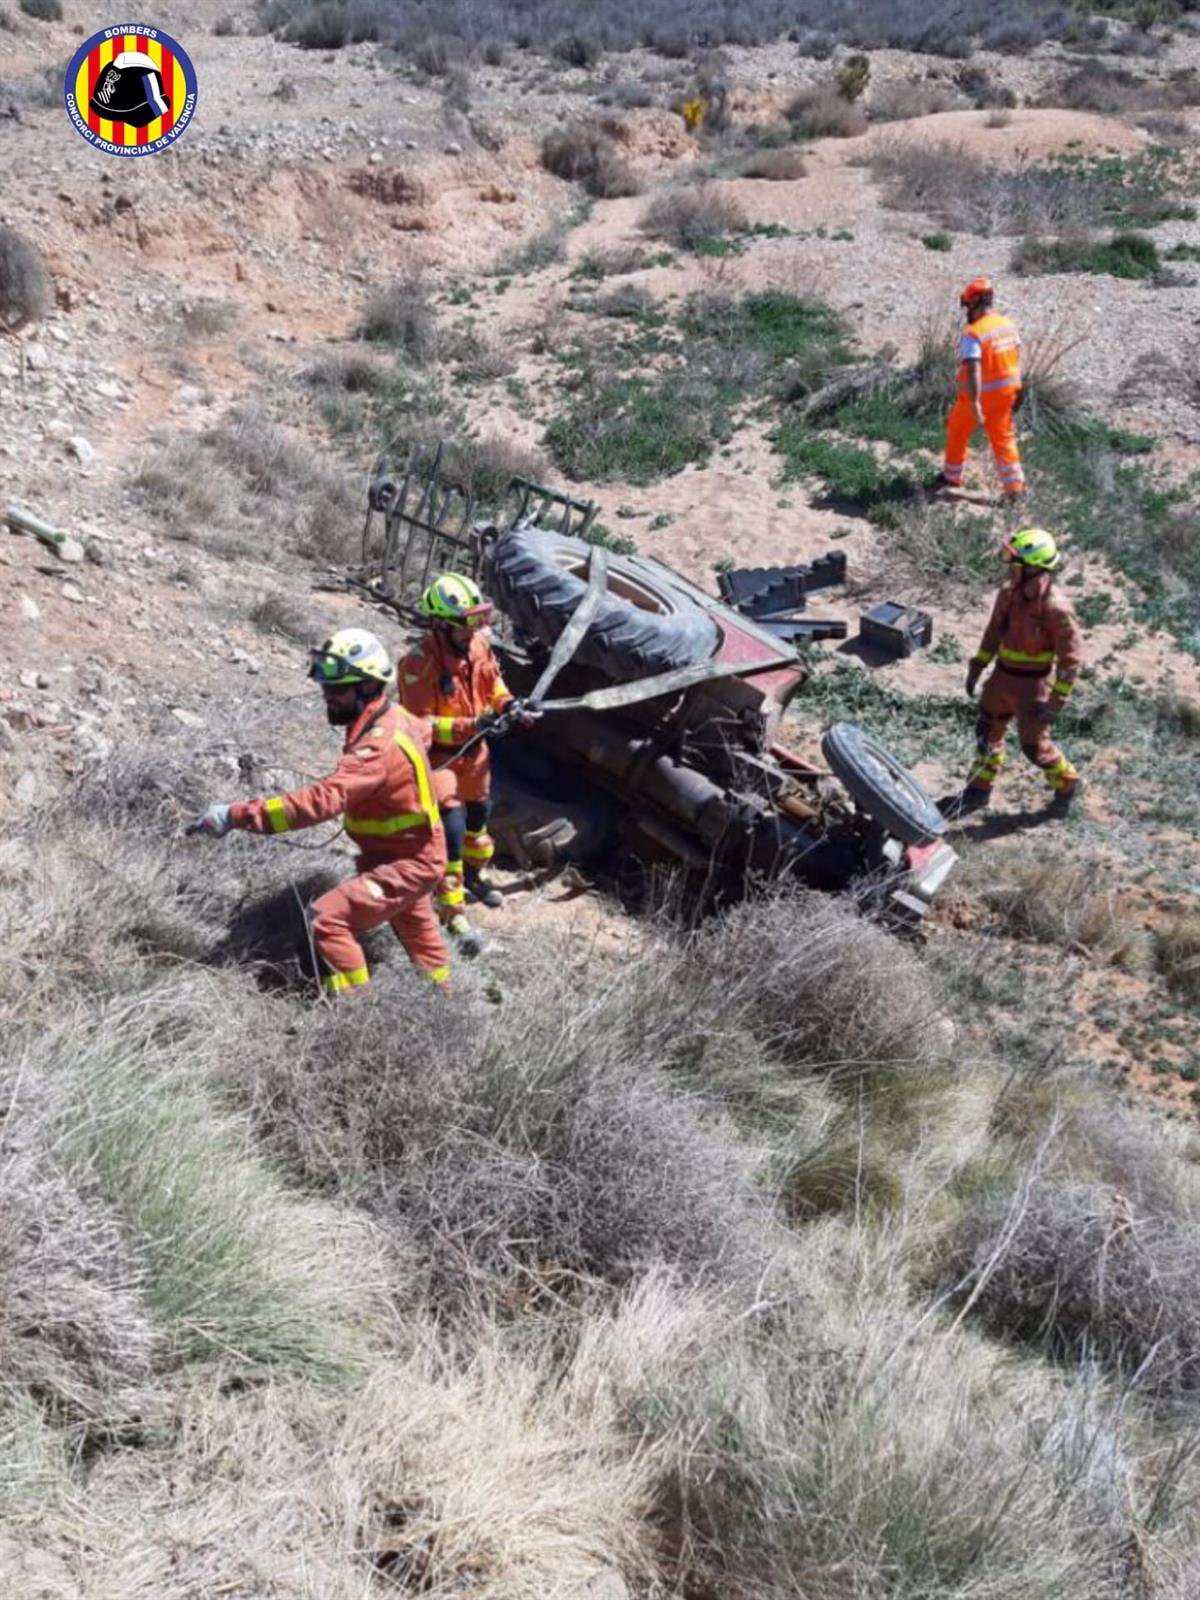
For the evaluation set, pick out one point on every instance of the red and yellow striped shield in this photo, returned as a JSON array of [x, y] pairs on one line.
[[130, 91]]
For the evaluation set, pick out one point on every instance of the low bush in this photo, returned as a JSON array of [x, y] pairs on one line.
[[905, 98], [278, 613], [401, 315], [247, 484], [822, 112], [347, 370], [331, 26], [776, 166], [851, 477], [689, 218], [1115, 91], [24, 281], [535, 254], [42, 10], [1125, 255], [1177, 951], [584, 153]]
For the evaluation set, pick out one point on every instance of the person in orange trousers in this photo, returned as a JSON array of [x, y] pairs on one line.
[[384, 792], [989, 392], [1033, 645], [453, 682]]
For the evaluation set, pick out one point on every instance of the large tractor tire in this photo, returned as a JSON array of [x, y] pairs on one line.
[[884, 789], [532, 576]]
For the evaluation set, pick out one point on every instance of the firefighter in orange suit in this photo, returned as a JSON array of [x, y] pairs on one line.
[[452, 681], [1033, 645], [384, 792], [989, 392]]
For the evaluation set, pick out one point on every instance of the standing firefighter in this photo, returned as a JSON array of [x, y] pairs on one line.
[[1033, 639], [452, 681], [383, 791], [989, 391]]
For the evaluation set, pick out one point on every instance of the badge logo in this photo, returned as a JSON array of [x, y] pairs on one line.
[[130, 91]]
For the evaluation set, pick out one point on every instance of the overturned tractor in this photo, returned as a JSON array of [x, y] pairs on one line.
[[660, 744]]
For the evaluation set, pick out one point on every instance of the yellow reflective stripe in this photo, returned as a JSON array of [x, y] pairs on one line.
[[984, 656], [1062, 688], [277, 814], [456, 896], [336, 982], [1011, 381], [443, 729], [427, 817], [501, 695], [1042, 658], [438, 974], [454, 869], [421, 771], [380, 827]]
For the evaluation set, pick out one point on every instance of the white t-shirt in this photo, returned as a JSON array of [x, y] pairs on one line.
[[969, 348]]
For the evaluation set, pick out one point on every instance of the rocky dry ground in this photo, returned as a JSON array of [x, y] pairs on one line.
[[214, 276]]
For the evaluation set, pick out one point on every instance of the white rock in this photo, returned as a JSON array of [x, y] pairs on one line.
[[109, 389], [68, 549], [25, 789], [37, 357], [58, 428], [453, 149], [58, 332], [374, 158], [81, 449], [190, 395], [188, 718], [29, 608], [70, 592]]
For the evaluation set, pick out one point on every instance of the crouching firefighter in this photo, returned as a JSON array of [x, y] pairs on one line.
[[452, 681], [383, 791], [1033, 645]]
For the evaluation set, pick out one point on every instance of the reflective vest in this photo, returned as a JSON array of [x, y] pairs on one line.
[[999, 354], [382, 789]]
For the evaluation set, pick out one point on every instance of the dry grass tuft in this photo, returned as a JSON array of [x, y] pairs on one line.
[[1076, 1267], [1177, 952], [1055, 901], [688, 218], [516, 1154], [247, 484]]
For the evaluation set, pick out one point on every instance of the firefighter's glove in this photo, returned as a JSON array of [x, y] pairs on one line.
[[489, 722], [974, 669], [214, 823], [524, 714]]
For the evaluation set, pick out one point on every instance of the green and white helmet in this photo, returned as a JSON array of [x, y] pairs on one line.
[[351, 655]]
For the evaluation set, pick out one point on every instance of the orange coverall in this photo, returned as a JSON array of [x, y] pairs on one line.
[[384, 793], [993, 341], [448, 692], [1031, 633]]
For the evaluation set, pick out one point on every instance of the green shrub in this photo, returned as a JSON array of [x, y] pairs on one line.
[[1125, 255], [937, 241]]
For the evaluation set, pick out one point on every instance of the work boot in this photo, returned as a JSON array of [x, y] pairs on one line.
[[965, 803], [469, 942], [1063, 802], [939, 482], [481, 890]]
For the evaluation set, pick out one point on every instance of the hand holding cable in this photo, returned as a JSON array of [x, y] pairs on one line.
[[214, 823]]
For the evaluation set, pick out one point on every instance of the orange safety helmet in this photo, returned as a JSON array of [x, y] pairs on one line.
[[977, 289]]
